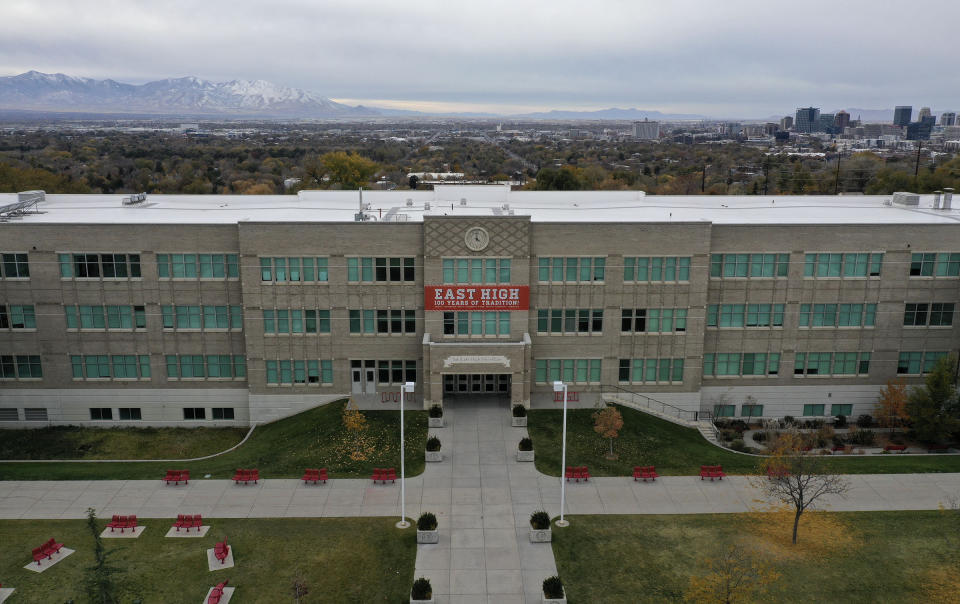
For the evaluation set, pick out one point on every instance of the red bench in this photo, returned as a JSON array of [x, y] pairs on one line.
[[122, 522], [246, 476], [187, 522], [221, 550], [711, 472], [900, 448], [939, 448], [315, 475], [838, 448], [645, 473], [383, 475], [177, 476], [217, 593], [46, 550], [777, 473], [576, 473]]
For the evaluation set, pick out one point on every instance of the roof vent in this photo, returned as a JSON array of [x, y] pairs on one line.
[[463, 201], [26, 204], [505, 206], [426, 205], [134, 199], [409, 202], [906, 199], [936, 199], [947, 198]]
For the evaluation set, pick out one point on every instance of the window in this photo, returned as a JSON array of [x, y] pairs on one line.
[[575, 371], [362, 321], [941, 314], [942, 264], [209, 366], [826, 363], [202, 317], [751, 411], [571, 270], [18, 317], [222, 412], [845, 410], [129, 413], [918, 363], [194, 413], [294, 270], [381, 270], [570, 321], [14, 266], [296, 372], [395, 371], [837, 315], [101, 413], [476, 270], [476, 323], [915, 314], [105, 317], [857, 264], [813, 410], [653, 320], [724, 410], [20, 367], [194, 266], [745, 315], [935, 314], [128, 366], [296, 321], [660, 269], [99, 266], [749, 265], [748, 364], [650, 370]]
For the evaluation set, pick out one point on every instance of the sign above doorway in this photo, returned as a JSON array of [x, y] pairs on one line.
[[476, 297]]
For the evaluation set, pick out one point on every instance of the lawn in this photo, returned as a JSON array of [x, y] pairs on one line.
[[677, 450], [75, 442], [340, 560], [282, 449], [627, 559]]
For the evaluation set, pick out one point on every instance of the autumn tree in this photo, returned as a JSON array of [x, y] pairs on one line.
[[356, 424], [933, 407], [735, 575], [348, 170], [608, 422], [891, 408]]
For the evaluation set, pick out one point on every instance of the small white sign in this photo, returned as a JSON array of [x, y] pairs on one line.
[[463, 360]]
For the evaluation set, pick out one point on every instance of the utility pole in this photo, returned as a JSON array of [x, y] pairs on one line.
[[766, 176], [916, 171], [703, 179], [836, 182]]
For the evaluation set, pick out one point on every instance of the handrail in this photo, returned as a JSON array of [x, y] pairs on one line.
[[653, 404]]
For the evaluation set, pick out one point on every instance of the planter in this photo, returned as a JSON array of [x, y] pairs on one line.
[[541, 536], [435, 422], [434, 601], [547, 600], [518, 422], [434, 456], [524, 455], [428, 537]]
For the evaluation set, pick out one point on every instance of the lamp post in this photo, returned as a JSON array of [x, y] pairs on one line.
[[559, 386], [407, 387]]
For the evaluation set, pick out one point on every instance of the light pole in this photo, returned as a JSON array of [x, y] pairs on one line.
[[407, 387], [561, 387]]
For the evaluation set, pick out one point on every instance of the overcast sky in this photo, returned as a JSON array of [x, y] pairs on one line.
[[724, 58]]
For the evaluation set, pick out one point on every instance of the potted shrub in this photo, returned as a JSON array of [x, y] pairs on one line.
[[553, 591], [525, 449], [519, 416], [433, 449], [436, 416], [422, 591], [427, 531], [540, 527]]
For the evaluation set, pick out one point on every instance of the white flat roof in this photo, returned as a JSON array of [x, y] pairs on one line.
[[540, 206]]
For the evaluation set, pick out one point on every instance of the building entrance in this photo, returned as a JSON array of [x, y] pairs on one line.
[[476, 383]]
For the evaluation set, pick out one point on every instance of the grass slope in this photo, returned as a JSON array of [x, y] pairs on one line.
[[75, 442], [677, 450], [341, 560], [282, 449], [628, 559]]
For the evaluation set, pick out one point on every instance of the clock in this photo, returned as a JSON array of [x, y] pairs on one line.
[[477, 239]]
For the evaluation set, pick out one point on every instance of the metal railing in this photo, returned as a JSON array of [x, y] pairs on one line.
[[635, 399]]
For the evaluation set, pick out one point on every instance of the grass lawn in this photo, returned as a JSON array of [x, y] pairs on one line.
[[341, 560], [75, 442], [677, 450], [282, 449], [627, 559]]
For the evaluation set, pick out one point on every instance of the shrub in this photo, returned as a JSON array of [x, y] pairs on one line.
[[519, 411], [427, 522], [433, 444], [864, 421], [788, 420], [864, 438], [839, 440], [841, 421], [525, 444], [422, 590], [540, 520], [553, 588], [436, 411], [739, 425], [728, 434], [737, 445], [759, 437]]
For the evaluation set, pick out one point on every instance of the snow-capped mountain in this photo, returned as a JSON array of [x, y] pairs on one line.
[[180, 96]]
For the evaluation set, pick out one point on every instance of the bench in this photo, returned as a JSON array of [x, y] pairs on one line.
[[221, 550], [938, 448], [900, 448], [176, 476], [645, 473], [838, 448], [187, 522], [122, 522], [384, 474], [315, 475], [576, 473], [46, 550], [217, 593], [711, 472], [246, 476]]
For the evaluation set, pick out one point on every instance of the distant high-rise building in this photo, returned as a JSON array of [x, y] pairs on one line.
[[646, 130], [786, 122], [924, 112], [808, 119], [902, 115], [948, 118], [841, 121], [826, 123], [920, 130]]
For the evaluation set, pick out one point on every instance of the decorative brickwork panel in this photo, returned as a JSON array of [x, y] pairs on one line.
[[509, 236]]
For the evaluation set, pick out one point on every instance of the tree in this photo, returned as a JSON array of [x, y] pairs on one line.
[[608, 423], [413, 181], [99, 577], [349, 170], [797, 479], [891, 408], [933, 407], [356, 423], [299, 586], [734, 576]]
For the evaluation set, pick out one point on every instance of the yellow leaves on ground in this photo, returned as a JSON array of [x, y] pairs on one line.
[[356, 424], [823, 533], [942, 585], [736, 575]]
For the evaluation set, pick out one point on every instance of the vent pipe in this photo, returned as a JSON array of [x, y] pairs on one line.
[[947, 198], [463, 201], [936, 199]]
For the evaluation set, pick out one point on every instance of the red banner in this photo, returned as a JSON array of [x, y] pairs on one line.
[[476, 297]]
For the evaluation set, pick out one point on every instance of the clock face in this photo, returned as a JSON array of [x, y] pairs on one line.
[[477, 239]]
